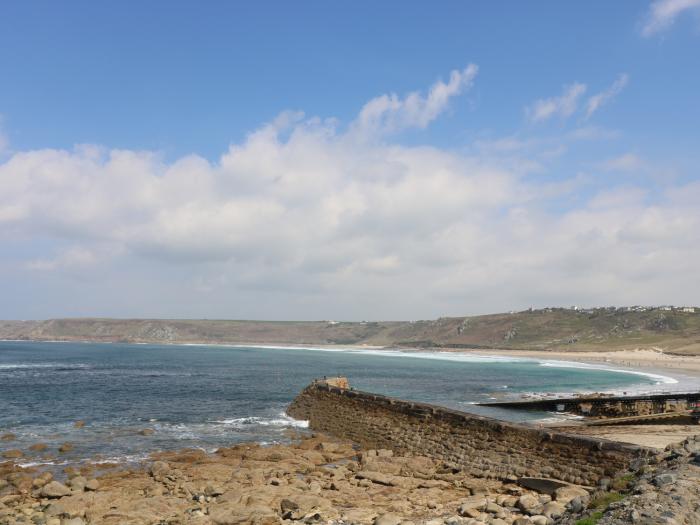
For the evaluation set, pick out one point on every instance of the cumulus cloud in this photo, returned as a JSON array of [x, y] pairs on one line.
[[663, 13], [597, 101], [562, 106], [302, 220], [389, 113]]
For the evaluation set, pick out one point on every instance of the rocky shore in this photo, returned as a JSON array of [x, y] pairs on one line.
[[316, 479], [313, 480]]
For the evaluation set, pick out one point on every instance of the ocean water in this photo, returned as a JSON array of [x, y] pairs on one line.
[[211, 396]]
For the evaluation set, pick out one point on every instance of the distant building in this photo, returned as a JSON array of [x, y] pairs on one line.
[[688, 309]]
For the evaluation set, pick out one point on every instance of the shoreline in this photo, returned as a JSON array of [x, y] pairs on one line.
[[645, 362]]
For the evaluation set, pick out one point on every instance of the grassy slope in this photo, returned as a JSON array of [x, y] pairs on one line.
[[558, 329]]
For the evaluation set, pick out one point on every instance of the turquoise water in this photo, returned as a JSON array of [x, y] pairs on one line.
[[208, 396]]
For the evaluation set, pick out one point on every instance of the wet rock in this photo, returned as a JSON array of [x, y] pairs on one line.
[[38, 447], [9, 436], [12, 454], [147, 432], [79, 424], [65, 447]]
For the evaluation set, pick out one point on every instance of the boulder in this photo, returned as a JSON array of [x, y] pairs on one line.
[[65, 447], [92, 484], [553, 510], [566, 493], [542, 485], [528, 504], [42, 480], [54, 489], [13, 453], [77, 483]]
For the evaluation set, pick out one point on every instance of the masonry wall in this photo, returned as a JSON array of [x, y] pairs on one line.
[[482, 446]]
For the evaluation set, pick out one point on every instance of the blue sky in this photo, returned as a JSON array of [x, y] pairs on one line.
[[155, 118]]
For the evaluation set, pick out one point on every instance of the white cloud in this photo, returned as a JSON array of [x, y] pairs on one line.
[[597, 101], [562, 106], [389, 113], [302, 220], [625, 162], [663, 13]]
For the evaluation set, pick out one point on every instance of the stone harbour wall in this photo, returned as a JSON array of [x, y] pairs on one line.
[[482, 446]]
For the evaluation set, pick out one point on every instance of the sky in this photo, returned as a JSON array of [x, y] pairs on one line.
[[347, 160]]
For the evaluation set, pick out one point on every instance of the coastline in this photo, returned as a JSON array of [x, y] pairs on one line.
[[682, 369], [655, 361]]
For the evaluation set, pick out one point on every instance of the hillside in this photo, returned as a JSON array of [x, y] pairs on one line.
[[674, 330]]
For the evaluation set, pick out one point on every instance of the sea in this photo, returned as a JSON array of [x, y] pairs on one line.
[[214, 396]]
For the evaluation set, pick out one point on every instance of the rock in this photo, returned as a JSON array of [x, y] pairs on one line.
[[9, 436], [665, 479], [54, 489], [147, 432], [212, 491], [65, 447], [567, 493], [553, 510], [356, 516], [42, 480], [38, 447], [376, 477], [541, 485], [12, 454], [73, 521], [522, 521], [79, 424], [387, 519], [495, 509], [528, 504], [159, 469], [540, 520], [92, 484], [575, 505], [77, 483]]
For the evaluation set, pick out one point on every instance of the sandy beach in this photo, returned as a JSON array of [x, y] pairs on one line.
[[650, 360]]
